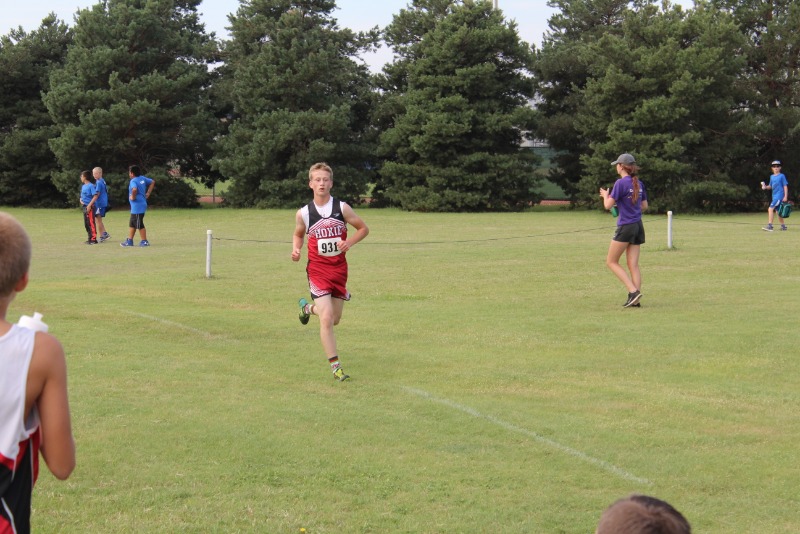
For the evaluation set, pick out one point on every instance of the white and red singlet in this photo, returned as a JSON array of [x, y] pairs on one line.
[[327, 265]]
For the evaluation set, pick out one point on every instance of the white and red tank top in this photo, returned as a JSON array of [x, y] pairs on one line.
[[19, 438], [325, 227]]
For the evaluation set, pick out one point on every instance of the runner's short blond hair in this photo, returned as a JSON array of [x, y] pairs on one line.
[[321, 166]]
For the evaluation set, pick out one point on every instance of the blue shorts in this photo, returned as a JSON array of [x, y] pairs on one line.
[[100, 212], [775, 202]]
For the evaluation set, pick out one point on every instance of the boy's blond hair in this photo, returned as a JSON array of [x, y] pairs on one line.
[[321, 166], [15, 253]]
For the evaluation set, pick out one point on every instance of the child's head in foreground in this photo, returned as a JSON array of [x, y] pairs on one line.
[[15, 255], [640, 514]]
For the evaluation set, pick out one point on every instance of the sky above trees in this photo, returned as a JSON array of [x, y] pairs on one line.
[[530, 15]]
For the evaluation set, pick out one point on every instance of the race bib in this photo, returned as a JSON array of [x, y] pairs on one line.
[[328, 247]]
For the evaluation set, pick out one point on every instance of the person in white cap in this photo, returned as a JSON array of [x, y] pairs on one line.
[[630, 196], [780, 193]]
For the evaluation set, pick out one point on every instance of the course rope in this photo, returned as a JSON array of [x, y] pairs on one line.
[[490, 239]]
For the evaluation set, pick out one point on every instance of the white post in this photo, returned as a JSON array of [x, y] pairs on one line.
[[669, 230], [208, 254]]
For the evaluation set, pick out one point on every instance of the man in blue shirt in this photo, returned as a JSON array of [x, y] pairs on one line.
[[139, 191]]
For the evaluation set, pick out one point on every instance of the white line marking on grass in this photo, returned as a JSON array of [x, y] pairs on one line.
[[172, 323], [538, 437]]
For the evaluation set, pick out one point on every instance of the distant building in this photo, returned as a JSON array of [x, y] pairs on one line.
[[534, 143]]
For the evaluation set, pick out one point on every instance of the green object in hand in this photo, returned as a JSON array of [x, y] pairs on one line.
[[614, 211]]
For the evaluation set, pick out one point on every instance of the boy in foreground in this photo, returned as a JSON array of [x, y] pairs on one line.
[[325, 221], [34, 408]]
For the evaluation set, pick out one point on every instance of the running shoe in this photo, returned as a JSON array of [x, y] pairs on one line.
[[304, 315], [144, 243], [127, 243], [768, 228], [633, 299], [339, 375]]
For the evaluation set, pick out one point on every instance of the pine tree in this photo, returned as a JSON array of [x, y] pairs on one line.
[[770, 107], [562, 68], [26, 161], [300, 96], [461, 93], [664, 89], [134, 90]]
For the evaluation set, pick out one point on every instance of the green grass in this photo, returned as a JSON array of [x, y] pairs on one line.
[[201, 190], [497, 383]]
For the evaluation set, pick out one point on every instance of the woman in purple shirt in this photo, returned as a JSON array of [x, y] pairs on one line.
[[630, 197]]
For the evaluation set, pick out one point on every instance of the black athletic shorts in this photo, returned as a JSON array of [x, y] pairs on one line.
[[632, 233], [137, 221]]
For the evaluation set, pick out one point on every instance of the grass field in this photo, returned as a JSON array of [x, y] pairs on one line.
[[497, 383], [201, 190]]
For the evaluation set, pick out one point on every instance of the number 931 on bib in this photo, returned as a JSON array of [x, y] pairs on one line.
[[329, 247]]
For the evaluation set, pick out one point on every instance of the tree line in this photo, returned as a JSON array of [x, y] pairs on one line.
[[705, 97]]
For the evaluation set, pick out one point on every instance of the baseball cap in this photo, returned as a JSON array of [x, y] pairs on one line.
[[776, 162], [625, 159]]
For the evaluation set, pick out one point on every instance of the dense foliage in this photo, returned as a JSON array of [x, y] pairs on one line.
[[26, 161], [300, 95], [769, 109], [133, 90], [563, 66], [460, 94], [663, 89], [705, 98]]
